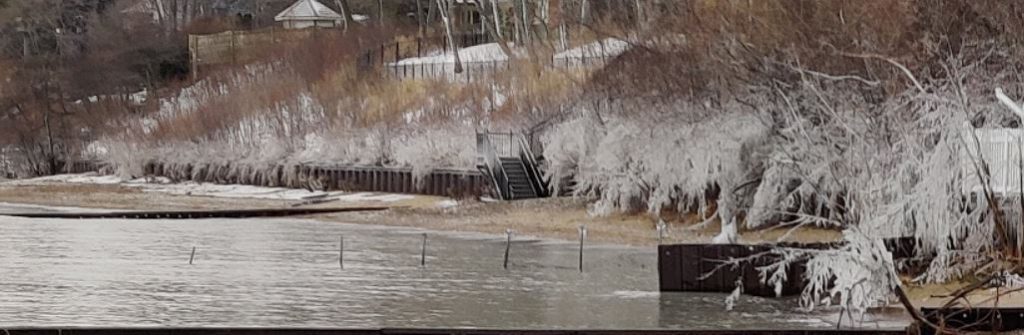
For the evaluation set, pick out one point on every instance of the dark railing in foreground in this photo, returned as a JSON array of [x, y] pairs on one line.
[[432, 331]]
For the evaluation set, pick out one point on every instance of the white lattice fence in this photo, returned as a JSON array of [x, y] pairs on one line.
[[1000, 150]]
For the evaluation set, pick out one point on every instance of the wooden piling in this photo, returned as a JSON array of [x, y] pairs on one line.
[[341, 252], [508, 246], [661, 231], [583, 233], [193, 256], [423, 251]]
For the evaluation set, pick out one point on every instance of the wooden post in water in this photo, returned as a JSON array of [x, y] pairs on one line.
[[423, 251], [661, 230], [193, 256], [508, 246], [583, 234], [341, 252]]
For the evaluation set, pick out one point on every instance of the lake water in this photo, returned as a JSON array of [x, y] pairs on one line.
[[285, 273]]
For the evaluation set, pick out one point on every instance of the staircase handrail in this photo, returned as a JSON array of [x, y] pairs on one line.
[[493, 165], [526, 154]]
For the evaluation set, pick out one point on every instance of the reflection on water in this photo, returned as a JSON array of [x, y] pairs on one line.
[[284, 272]]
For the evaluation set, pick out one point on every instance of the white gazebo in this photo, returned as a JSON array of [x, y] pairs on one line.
[[308, 13]]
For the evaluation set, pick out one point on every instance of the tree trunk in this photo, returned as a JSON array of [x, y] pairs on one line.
[[445, 8], [161, 19], [639, 14], [584, 11], [346, 12], [419, 19], [174, 15], [380, 12], [194, 10], [492, 30], [431, 12], [524, 10], [497, 20]]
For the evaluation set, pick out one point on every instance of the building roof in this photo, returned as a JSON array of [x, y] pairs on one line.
[[307, 10]]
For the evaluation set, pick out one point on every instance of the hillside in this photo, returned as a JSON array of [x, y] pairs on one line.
[[860, 117]]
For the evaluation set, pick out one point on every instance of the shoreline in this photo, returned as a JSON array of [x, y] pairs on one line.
[[549, 218], [553, 220]]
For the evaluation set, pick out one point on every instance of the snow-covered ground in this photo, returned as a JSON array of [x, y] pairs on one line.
[[491, 52], [480, 53], [606, 48], [164, 185]]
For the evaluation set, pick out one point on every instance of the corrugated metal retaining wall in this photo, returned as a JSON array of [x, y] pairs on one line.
[[449, 183], [440, 182], [683, 267]]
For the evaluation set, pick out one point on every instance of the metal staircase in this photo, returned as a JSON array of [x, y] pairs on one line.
[[520, 185], [508, 160]]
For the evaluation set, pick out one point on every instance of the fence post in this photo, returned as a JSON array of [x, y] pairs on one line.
[[583, 234], [423, 251], [508, 246], [234, 53], [193, 45]]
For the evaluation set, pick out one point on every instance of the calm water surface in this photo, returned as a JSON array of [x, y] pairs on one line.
[[285, 272]]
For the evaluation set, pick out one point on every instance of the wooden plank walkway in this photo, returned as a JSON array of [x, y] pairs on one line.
[[165, 215]]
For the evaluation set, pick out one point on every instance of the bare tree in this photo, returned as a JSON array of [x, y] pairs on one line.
[[431, 12], [492, 25], [419, 19], [445, 7], [346, 12], [380, 12]]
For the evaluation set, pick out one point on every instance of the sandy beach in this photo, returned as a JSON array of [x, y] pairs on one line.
[[556, 218]]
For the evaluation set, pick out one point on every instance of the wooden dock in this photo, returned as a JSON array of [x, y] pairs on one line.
[[183, 215]]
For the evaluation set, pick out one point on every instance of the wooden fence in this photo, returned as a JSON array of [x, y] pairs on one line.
[[1001, 150], [234, 47], [393, 52]]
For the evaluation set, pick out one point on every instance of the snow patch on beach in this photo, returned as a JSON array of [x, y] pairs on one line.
[[164, 185]]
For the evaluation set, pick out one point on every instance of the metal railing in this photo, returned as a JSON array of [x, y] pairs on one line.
[[532, 169], [492, 146], [417, 47], [492, 167]]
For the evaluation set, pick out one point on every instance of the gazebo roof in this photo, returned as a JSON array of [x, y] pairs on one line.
[[307, 10]]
